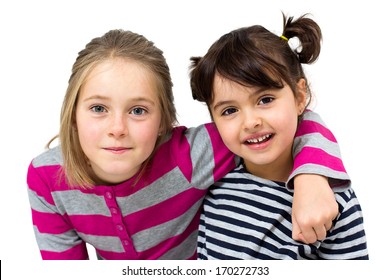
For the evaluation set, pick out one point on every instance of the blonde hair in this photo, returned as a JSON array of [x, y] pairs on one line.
[[113, 44]]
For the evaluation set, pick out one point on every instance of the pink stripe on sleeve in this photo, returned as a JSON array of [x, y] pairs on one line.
[[311, 155], [78, 252], [307, 127], [49, 222], [181, 150], [223, 157], [37, 181]]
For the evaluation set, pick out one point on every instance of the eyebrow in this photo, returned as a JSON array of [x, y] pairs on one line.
[[222, 103], [136, 99], [225, 102], [95, 97]]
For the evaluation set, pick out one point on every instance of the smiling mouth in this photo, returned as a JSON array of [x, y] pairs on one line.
[[259, 140]]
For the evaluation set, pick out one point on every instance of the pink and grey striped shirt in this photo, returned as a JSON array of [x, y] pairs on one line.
[[158, 217]]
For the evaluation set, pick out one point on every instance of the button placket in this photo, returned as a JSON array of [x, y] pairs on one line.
[[114, 210], [117, 219]]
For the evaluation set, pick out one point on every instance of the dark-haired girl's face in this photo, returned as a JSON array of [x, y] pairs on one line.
[[258, 125]]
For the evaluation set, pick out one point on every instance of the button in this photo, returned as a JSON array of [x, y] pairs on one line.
[[109, 195], [119, 227], [126, 242], [114, 210]]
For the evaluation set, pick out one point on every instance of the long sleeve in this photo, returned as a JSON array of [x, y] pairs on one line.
[[316, 151], [201, 154], [56, 238]]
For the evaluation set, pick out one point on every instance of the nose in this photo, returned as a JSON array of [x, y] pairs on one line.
[[118, 126], [251, 121]]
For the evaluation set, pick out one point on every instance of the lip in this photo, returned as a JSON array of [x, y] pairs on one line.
[[117, 150], [256, 136], [258, 145]]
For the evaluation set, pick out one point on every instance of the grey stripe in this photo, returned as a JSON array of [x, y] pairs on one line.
[[324, 171], [146, 239], [345, 256], [57, 242], [105, 243], [313, 116], [184, 251], [202, 156], [39, 204], [74, 202], [49, 157], [316, 140], [167, 186]]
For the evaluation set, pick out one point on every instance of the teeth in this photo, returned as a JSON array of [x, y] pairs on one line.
[[259, 140]]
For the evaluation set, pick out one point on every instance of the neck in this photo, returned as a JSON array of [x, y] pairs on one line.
[[278, 170]]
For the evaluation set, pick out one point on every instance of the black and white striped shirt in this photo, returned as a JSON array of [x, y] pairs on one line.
[[246, 217]]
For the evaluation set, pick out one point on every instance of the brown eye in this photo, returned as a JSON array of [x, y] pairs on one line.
[[266, 100], [228, 111]]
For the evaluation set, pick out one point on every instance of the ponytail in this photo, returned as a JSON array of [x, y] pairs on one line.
[[309, 35]]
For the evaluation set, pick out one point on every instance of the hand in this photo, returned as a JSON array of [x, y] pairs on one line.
[[314, 208]]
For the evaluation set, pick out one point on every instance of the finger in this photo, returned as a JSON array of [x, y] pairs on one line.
[[302, 238], [328, 225], [308, 233], [320, 232], [305, 234], [296, 231]]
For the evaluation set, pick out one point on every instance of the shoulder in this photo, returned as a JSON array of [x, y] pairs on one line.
[[44, 172], [202, 135], [348, 203], [50, 157], [345, 195], [310, 115], [198, 131]]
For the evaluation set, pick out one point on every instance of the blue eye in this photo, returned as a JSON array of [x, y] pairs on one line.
[[229, 111], [138, 111], [98, 109], [266, 100]]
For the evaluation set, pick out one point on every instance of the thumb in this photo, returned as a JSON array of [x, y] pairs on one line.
[[296, 231]]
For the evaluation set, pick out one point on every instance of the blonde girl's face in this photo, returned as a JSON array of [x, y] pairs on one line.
[[258, 125], [118, 119]]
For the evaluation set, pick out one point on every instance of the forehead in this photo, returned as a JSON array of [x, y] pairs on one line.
[[120, 75], [223, 87], [121, 68]]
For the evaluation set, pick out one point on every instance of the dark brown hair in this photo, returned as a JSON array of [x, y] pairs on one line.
[[255, 57]]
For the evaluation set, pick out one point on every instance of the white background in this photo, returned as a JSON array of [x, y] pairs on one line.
[[39, 41]]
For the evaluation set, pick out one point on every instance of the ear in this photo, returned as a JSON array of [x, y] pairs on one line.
[[301, 93]]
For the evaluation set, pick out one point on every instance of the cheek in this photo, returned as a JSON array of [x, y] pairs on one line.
[[146, 132], [229, 134], [88, 131], [286, 122]]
